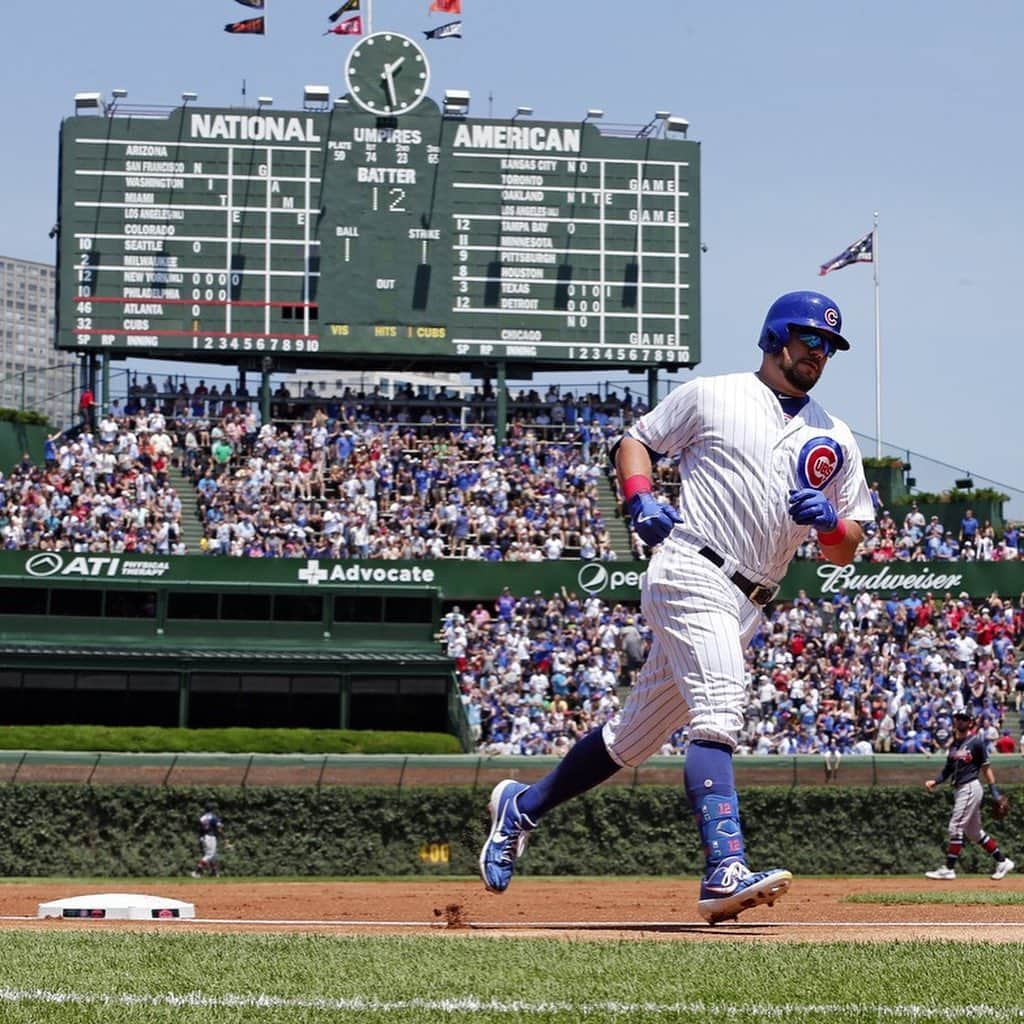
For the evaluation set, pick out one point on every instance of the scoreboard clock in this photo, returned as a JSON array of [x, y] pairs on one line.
[[378, 233], [387, 73]]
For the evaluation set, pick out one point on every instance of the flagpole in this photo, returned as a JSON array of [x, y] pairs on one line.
[[878, 344], [369, 16]]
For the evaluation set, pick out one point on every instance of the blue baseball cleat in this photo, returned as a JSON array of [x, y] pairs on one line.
[[732, 888], [510, 832]]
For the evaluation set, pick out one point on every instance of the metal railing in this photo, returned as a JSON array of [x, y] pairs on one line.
[[479, 772]]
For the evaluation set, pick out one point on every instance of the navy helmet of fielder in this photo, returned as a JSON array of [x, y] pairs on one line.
[[801, 309]]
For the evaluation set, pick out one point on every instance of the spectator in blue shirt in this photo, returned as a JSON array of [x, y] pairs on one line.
[[968, 528]]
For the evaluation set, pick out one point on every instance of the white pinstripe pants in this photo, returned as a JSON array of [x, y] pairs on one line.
[[695, 671]]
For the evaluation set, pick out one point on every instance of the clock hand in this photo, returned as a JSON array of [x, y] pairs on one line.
[[390, 81]]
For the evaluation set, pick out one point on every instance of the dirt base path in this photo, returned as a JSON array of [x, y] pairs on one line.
[[814, 910]]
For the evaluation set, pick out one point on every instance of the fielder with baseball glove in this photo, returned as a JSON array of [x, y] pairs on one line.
[[1000, 804], [966, 760]]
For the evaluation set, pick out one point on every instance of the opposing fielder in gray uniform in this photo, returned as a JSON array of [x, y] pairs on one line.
[[760, 463], [966, 760], [211, 829]]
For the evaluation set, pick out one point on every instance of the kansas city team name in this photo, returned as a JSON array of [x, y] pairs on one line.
[[253, 128]]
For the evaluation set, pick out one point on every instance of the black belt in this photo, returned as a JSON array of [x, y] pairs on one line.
[[757, 592]]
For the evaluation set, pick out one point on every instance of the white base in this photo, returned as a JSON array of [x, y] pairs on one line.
[[117, 906]]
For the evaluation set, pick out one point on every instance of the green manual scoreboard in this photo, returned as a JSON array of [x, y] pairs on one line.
[[360, 235]]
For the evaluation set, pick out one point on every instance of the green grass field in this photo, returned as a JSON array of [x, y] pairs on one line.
[[131, 977]]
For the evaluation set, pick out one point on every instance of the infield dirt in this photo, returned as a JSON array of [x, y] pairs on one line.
[[814, 910]]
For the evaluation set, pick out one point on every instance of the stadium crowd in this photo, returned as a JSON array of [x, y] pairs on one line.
[[346, 484], [359, 475], [106, 491], [555, 408], [386, 491], [846, 676], [418, 475]]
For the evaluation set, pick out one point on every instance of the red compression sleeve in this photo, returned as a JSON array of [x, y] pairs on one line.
[[833, 536], [636, 484]]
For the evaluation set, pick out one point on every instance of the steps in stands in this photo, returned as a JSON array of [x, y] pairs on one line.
[[618, 533], [191, 528]]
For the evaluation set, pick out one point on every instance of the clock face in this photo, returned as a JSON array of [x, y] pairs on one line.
[[387, 73]]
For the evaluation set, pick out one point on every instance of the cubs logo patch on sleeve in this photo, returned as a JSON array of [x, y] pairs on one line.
[[819, 460]]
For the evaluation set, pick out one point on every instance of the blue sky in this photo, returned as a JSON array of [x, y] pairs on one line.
[[810, 117]]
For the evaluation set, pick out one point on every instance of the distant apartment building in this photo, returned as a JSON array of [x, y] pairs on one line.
[[33, 374]]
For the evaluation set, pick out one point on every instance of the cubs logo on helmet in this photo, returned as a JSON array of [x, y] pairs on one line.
[[819, 461]]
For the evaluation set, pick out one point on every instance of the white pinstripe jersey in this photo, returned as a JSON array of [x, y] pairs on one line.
[[738, 458]]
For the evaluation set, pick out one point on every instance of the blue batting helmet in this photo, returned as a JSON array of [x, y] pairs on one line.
[[801, 309]]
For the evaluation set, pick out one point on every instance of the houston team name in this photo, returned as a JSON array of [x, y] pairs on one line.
[[253, 128]]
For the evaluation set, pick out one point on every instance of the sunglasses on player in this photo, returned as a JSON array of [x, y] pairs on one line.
[[816, 341]]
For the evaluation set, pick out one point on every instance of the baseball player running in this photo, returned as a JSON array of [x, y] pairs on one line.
[[760, 463], [967, 758], [211, 828]]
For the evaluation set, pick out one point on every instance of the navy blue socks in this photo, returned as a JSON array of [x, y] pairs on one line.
[[711, 789], [587, 764]]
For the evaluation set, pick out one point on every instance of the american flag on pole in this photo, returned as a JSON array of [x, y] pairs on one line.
[[861, 251], [446, 6]]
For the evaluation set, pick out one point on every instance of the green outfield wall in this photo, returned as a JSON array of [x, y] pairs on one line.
[[133, 831], [457, 580]]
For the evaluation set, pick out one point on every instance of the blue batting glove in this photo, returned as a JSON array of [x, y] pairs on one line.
[[652, 520], [809, 507]]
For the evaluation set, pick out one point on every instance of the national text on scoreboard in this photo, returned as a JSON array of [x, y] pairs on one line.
[[309, 236]]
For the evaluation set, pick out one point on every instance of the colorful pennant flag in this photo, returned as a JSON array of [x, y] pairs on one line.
[[348, 5], [251, 26], [257, 4], [453, 28], [861, 251], [446, 6], [349, 27]]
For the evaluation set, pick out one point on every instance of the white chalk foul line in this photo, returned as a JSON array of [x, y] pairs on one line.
[[680, 925], [471, 1005]]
